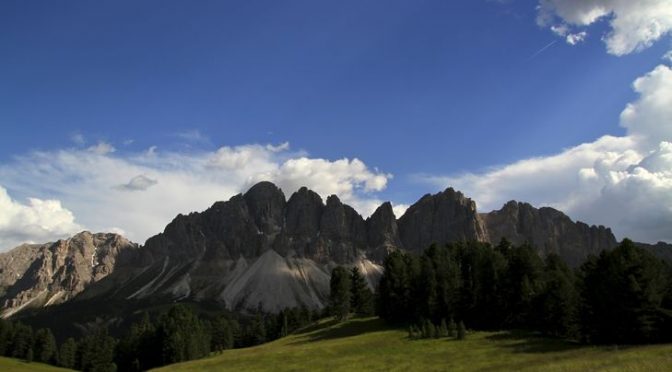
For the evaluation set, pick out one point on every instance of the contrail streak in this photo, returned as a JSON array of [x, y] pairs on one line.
[[538, 52]]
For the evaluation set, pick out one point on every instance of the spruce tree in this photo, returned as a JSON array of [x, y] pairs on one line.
[[22, 340], [452, 328], [443, 329], [361, 298], [67, 354], [339, 297], [45, 346], [6, 333], [461, 331], [29, 355]]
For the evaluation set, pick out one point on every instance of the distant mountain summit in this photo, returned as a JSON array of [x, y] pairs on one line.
[[259, 249], [34, 275]]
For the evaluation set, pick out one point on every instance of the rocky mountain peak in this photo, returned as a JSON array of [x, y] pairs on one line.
[[266, 205], [45, 274], [444, 217], [549, 230], [382, 232]]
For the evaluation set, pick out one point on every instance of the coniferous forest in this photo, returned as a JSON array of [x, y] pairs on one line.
[[622, 296]]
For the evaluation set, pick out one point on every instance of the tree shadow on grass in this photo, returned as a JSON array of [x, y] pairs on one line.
[[529, 342], [333, 329]]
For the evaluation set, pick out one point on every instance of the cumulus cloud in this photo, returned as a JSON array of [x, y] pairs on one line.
[[37, 221], [167, 182], [138, 183], [622, 182], [650, 117], [571, 38], [634, 25]]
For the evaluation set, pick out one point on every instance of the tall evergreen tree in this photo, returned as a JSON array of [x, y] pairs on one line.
[[558, 299], [181, 335], [339, 297], [45, 350], [221, 334], [622, 295], [6, 335], [95, 352], [361, 298], [68, 353], [22, 340], [461, 331]]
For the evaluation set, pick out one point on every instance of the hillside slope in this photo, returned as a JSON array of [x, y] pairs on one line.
[[367, 345]]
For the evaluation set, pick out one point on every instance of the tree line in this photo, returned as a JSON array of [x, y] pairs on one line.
[[620, 296], [172, 336]]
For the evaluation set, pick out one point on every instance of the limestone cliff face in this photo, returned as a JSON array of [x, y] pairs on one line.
[[445, 217], [259, 247], [37, 275], [382, 232], [549, 230]]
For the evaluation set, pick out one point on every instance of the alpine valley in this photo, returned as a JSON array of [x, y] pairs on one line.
[[261, 251]]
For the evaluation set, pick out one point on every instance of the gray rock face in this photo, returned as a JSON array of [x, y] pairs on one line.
[[37, 275], [444, 217], [382, 232], [549, 230], [260, 247]]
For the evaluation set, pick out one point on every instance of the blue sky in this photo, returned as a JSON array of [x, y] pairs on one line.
[[427, 91]]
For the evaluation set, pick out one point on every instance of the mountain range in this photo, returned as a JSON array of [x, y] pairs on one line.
[[261, 250]]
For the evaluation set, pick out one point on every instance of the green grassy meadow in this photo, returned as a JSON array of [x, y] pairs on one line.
[[15, 365], [368, 345]]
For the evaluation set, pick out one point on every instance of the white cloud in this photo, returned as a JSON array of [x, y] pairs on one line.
[[102, 148], [78, 138], [573, 39], [94, 184], [193, 136], [622, 182], [668, 56], [634, 25], [138, 183], [650, 117], [37, 221]]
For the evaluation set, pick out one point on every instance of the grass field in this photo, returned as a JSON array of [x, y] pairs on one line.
[[15, 365], [367, 345]]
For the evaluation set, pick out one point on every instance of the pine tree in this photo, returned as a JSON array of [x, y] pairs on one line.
[[29, 355], [67, 354], [221, 334], [361, 298], [22, 340], [95, 352], [259, 330], [45, 346], [181, 336], [461, 331], [6, 332], [452, 328], [339, 298], [443, 329]]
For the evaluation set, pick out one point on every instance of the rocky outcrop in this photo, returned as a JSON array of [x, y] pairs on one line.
[[259, 247], [382, 232], [549, 230], [37, 275], [445, 217]]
